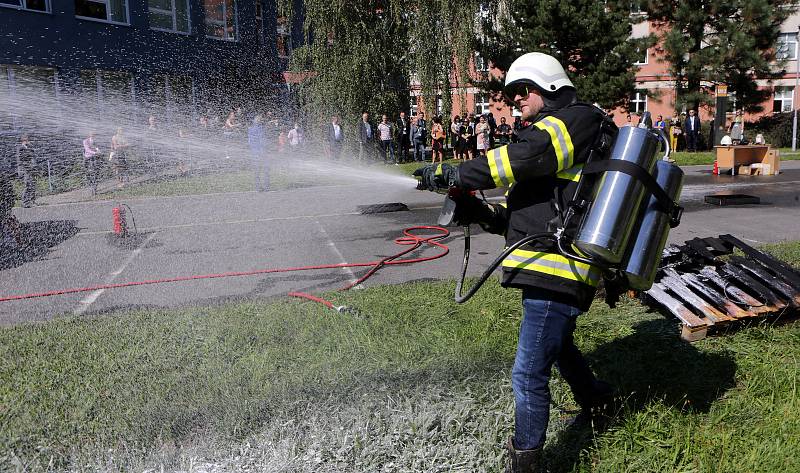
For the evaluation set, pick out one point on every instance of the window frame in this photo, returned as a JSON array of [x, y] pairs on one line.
[[108, 19], [787, 94], [23, 6], [174, 13], [207, 21], [791, 56], [484, 102], [639, 96], [646, 57]]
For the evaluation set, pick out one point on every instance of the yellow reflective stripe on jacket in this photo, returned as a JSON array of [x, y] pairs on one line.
[[571, 174], [560, 139], [553, 264], [438, 171], [500, 167]]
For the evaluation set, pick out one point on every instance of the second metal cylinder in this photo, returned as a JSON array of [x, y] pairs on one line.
[[617, 199]]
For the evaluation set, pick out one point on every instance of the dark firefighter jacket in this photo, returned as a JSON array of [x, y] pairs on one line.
[[541, 172]]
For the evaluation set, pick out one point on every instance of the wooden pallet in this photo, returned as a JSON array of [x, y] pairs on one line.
[[706, 287]]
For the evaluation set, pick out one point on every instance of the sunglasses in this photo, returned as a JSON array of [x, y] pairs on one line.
[[523, 90]]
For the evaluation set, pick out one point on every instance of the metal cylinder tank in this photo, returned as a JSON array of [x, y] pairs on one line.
[[641, 261], [617, 199]]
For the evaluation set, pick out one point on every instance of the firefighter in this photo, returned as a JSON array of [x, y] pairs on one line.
[[541, 173]]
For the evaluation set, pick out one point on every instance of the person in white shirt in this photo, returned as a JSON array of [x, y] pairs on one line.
[[387, 143], [335, 138], [295, 136]]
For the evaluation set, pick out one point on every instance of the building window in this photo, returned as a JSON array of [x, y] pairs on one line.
[[638, 102], [784, 99], [259, 24], [439, 105], [221, 19], [33, 5], [481, 104], [114, 11], [481, 65], [169, 15], [787, 46], [641, 59], [283, 38], [414, 106]]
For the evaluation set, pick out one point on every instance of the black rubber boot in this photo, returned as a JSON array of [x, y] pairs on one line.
[[523, 461]]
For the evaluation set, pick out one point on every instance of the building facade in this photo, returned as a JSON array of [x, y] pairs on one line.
[[196, 54]]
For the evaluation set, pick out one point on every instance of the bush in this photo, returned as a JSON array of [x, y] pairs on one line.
[[776, 128]]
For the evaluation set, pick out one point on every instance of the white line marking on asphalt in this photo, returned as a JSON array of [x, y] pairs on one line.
[[332, 246], [702, 189], [84, 303]]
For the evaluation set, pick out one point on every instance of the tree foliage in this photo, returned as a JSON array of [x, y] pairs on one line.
[[709, 42], [362, 54], [591, 39]]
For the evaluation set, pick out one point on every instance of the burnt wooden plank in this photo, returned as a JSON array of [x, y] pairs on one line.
[[730, 290], [773, 282], [680, 311], [749, 282], [719, 246], [708, 291], [677, 286], [786, 271], [699, 246]]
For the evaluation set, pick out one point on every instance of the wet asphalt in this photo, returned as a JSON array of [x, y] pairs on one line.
[[246, 231]]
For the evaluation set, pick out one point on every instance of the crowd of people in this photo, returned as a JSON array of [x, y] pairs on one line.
[[407, 139]]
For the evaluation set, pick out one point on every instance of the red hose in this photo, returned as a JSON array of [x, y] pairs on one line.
[[410, 239]]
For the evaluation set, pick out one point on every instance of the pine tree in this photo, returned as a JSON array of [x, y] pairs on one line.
[[710, 42], [591, 39]]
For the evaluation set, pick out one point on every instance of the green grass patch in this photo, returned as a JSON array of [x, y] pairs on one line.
[[413, 382]]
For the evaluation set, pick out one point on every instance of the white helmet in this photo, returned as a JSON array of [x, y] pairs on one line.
[[538, 69]]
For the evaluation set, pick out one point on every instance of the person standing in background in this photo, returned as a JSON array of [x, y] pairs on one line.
[[419, 134], [437, 140], [674, 132], [455, 137], [26, 167], [503, 133], [403, 130], [335, 138], [257, 140], [295, 137], [385, 134], [90, 164], [692, 129], [482, 133], [366, 138], [119, 157]]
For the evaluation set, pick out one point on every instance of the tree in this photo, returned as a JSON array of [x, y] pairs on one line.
[[362, 54], [591, 39], [709, 42]]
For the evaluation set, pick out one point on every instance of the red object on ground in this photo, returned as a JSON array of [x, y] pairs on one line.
[[120, 227], [716, 168], [410, 239]]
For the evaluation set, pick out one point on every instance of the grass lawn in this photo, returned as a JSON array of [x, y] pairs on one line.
[[413, 382]]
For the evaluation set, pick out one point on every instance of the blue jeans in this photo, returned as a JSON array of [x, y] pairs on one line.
[[388, 150], [419, 151], [545, 338]]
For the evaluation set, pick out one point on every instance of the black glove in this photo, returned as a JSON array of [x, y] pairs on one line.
[[434, 178]]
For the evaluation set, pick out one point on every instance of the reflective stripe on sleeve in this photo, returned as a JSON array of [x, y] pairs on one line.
[[571, 174], [560, 139], [553, 264], [500, 167]]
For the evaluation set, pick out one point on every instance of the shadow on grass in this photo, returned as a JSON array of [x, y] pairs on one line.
[[651, 365], [35, 241]]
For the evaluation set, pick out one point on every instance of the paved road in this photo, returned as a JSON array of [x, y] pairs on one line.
[[204, 234]]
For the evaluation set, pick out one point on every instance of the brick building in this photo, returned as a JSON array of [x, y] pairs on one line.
[[192, 53]]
